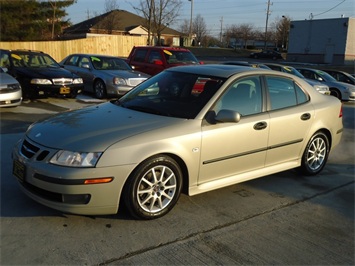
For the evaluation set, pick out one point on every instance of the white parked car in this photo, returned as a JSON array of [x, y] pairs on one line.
[[10, 90]]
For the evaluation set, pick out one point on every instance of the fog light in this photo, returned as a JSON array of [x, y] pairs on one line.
[[76, 199]]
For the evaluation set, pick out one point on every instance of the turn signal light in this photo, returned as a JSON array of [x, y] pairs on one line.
[[98, 180]]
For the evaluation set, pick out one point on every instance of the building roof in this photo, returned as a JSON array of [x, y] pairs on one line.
[[119, 21]]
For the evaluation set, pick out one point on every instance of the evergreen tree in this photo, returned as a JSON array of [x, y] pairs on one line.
[[32, 20]]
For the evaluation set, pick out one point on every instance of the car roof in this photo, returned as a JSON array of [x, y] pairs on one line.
[[97, 55], [217, 70], [169, 48]]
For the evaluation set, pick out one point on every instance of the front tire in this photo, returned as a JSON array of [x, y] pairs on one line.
[[100, 89], [315, 155], [153, 188]]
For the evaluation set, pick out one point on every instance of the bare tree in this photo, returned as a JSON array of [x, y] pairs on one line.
[[242, 32], [111, 21], [282, 28], [199, 28], [185, 26], [159, 14]]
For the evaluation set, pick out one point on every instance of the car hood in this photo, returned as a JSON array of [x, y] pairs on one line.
[[94, 128], [7, 79], [46, 72]]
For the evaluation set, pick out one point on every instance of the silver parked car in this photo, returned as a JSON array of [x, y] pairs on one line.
[[103, 75], [10, 90], [343, 91], [317, 85], [164, 135]]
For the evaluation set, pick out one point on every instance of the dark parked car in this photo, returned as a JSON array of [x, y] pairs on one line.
[[104, 75], [341, 76], [39, 74], [271, 54]]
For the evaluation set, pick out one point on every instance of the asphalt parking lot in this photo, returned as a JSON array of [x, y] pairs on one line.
[[279, 219]]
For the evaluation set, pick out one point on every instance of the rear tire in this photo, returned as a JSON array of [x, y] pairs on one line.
[[153, 188], [315, 155]]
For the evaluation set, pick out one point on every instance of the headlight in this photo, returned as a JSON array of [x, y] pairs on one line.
[[321, 88], [41, 81], [119, 81], [76, 159], [78, 81]]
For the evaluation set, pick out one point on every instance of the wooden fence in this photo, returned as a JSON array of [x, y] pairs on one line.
[[115, 45]]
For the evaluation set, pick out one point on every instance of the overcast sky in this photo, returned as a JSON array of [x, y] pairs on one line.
[[223, 13]]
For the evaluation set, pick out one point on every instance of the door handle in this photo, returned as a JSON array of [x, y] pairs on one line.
[[260, 125], [306, 116]]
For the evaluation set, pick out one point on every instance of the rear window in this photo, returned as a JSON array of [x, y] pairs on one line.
[[139, 55], [180, 57]]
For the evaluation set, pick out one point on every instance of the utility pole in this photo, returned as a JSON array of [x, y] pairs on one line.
[[268, 12], [221, 33]]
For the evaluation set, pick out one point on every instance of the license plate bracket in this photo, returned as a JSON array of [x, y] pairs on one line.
[[64, 90], [19, 170]]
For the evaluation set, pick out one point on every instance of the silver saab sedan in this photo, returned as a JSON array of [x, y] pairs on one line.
[[188, 129], [103, 75]]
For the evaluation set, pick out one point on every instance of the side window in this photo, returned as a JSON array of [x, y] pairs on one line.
[[284, 93], [83, 60], [72, 61], [140, 54], [4, 60], [243, 96], [154, 55]]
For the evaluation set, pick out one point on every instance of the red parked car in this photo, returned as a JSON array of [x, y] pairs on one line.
[[154, 59]]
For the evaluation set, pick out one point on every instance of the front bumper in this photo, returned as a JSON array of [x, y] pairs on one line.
[[63, 188], [10, 99], [56, 90]]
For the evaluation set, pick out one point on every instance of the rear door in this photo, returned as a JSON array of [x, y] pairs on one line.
[[291, 117]]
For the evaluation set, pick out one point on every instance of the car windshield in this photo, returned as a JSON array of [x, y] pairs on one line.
[[180, 57], [325, 75], [109, 63], [171, 93], [29, 59], [292, 71]]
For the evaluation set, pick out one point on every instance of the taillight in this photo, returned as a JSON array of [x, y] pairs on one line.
[[341, 111]]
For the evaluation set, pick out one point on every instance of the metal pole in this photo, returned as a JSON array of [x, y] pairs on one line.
[[190, 32]]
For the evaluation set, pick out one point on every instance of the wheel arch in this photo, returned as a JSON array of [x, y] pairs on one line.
[[179, 161]]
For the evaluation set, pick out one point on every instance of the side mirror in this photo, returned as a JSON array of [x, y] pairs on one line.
[[226, 116]]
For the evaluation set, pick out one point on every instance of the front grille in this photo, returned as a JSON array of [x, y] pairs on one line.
[[62, 81], [29, 150], [135, 81]]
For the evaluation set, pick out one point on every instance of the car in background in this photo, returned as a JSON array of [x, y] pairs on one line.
[[269, 54], [163, 138], [341, 76], [343, 91], [103, 75], [39, 74], [244, 63], [318, 86], [10, 90], [154, 59]]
